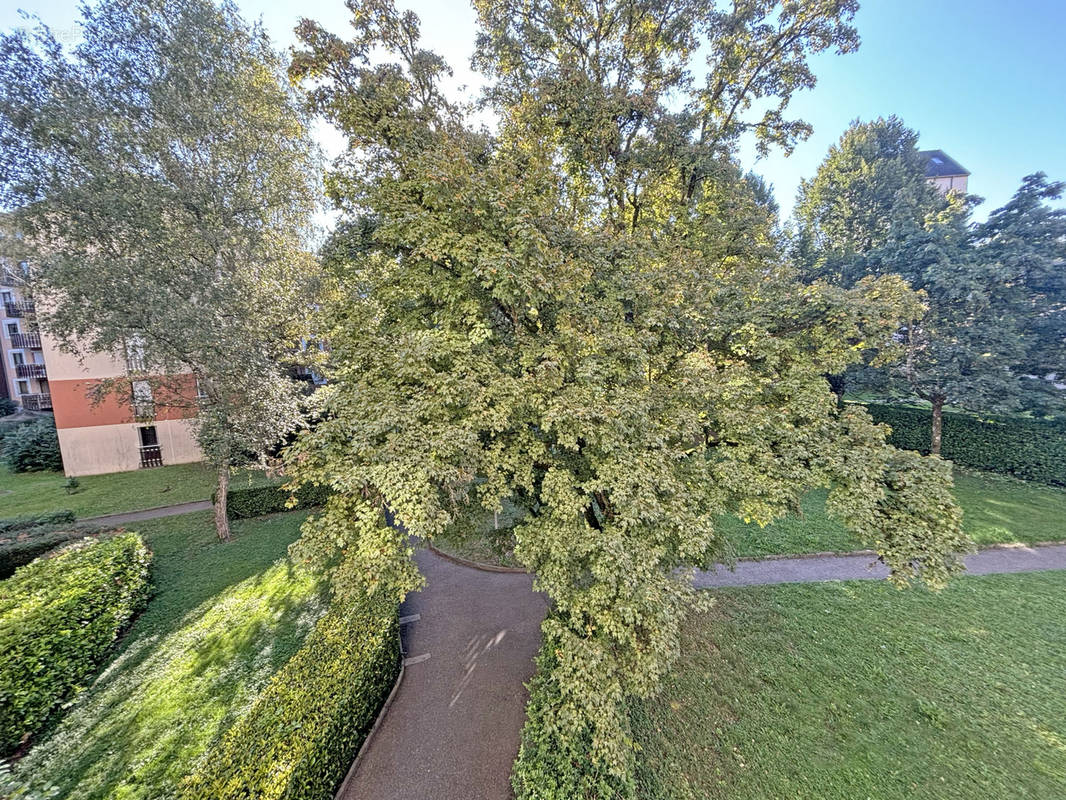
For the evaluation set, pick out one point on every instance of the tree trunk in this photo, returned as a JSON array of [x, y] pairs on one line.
[[221, 495], [938, 420]]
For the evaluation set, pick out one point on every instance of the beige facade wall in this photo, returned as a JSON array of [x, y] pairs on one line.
[[949, 183], [66, 367], [116, 448]]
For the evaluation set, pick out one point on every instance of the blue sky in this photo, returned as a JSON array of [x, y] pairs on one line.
[[981, 79]]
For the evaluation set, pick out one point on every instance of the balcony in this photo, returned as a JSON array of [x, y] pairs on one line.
[[18, 308], [36, 402], [151, 456], [30, 341], [30, 371]]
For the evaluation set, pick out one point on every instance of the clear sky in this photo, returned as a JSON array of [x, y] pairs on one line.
[[982, 80]]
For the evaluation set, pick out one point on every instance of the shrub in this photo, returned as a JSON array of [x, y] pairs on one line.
[[255, 501], [28, 545], [554, 761], [300, 736], [60, 517], [33, 447], [59, 616], [7, 406], [1030, 449]]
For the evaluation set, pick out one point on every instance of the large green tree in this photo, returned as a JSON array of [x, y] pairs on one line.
[[163, 174], [992, 327], [584, 313]]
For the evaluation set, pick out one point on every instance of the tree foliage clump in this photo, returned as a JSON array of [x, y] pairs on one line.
[[994, 324], [162, 176], [33, 447], [585, 313]]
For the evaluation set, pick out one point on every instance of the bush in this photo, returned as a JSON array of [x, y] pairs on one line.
[[20, 551], [300, 736], [7, 406], [33, 448], [61, 517], [553, 763], [255, 501], [1030, 449], [59, 616]]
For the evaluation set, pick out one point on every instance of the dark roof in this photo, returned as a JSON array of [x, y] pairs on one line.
[[939, 164]]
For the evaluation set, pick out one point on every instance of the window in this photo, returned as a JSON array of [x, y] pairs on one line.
[[201, 392], [8, 297], [17, 358], [149, 436], [143, 405], [23, 387], [12, 328]]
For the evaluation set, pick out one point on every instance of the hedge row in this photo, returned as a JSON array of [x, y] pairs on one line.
[[553, 764], [20, 550], [301, 735], [59, 617], [255, 501], [1030, 449], [24, 521]]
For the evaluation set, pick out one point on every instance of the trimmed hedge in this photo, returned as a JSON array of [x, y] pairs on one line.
[[59, 617], [1030, 449], [21, 550], [255, 501], [61, 517], [301, 735]]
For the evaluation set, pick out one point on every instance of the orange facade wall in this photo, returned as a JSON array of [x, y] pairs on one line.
[[73, 406]]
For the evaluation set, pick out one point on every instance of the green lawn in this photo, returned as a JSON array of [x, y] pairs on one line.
[[858, 690], [223, 619], [28, 492], [995, 509]]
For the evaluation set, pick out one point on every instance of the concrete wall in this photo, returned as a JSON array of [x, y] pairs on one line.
[[98, 449]]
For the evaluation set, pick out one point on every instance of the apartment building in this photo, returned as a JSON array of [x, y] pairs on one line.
[[25, 371], [121, 429], [944, 172]]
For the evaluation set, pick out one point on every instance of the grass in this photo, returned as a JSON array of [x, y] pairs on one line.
[[223, 619], [996, 509], [858, 690], [29, 492]]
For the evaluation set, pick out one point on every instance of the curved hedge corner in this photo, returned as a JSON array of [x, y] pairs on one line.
[[255, 501], [59, 616], [1030, 449], [299, 738]]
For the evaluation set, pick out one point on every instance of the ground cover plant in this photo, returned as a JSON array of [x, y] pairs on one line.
[[224, 618], [59, 618], [842, 690], [29, 493]]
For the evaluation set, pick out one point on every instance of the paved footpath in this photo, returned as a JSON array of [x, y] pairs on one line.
[[149, 513], [453, 728], [866, 567]]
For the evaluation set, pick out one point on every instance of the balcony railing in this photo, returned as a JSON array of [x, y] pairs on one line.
[[30, 371], [18, 308], [26, 340], [151, 456], [36, 402]]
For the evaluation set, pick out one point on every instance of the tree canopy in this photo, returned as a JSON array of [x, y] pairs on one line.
[[585, 312], [992, 330], [163, 173]]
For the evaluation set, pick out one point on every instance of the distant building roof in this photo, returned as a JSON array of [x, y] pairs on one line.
[[939, 164]]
